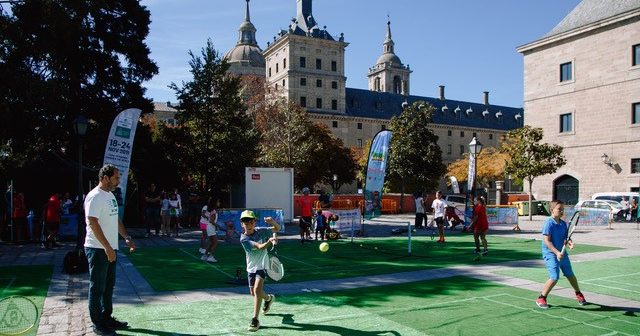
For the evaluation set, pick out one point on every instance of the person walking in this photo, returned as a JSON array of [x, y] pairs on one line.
[[305, 202], [52, 216], [152, 201], [480, 225], [554, 233], [419, 210], [101, 244], [255, 243], [438, 206]]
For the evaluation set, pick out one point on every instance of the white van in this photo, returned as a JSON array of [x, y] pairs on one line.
[[616, 196]]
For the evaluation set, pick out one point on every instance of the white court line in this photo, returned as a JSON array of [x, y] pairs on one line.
[[216, 268], [624, 283], [612, 276], [611, 287], [11, 280], [296, 260], [537, 311], [586, 312]]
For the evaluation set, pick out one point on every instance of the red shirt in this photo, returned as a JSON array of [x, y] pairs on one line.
[[481, 212], [53, 210], [306, 205], [19, 208]]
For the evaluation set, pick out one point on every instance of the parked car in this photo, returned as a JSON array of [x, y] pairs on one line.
[[616, 196], [616, 210]]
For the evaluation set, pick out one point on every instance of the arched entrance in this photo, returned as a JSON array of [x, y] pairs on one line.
[[566, 188]]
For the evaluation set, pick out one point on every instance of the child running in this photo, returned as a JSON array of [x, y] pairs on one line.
[[480, 225], [554, 231], [255, 243], [212, 233]]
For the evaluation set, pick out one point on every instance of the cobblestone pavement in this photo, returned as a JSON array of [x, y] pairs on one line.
[[65, 309]]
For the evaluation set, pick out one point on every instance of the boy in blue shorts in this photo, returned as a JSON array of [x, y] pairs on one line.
[[255, 243], [554, 231]]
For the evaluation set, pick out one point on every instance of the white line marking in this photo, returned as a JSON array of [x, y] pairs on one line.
[[299, 261], [611, 287], [214, 266], [11, 280], [612, 276]]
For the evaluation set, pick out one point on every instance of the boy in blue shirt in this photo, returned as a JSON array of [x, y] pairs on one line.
[[321, 224], [255, 242], [554, 231]]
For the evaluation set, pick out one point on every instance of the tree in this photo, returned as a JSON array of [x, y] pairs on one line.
[[529, 158], [415, 159], [291, 139], [215, 139], [491, 165], [60, 59]]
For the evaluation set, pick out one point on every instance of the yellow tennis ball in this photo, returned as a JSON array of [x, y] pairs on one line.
[[324, 247]]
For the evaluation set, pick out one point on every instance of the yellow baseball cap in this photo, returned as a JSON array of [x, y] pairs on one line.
[[248, 214]]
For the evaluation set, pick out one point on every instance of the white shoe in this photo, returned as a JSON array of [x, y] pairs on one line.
[[203, 258], [202, 251], [211, 259]]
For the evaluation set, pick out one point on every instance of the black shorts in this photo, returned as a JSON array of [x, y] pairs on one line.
[[252, 277], [439, 221], [305, 222]]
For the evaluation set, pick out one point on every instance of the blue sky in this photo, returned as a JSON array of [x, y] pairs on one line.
[[466, 45]]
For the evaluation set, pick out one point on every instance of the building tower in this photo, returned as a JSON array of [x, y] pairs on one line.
[[389, 74], [246, 57], [306, 64]]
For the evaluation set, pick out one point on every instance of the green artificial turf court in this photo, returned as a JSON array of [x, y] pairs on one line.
[[452, 306], [30, 282], [180, 268], [615, 277]]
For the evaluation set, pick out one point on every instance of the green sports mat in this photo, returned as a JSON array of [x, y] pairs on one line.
[[454, 306], [180, 268], [615, 277], [24, 282]]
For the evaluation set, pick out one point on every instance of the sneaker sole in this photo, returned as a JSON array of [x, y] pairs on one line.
[[542, 307]]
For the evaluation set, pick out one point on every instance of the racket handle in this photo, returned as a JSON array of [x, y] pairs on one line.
[[275, 238], [562, 251]]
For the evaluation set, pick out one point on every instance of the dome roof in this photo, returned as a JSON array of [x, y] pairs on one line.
[[244, 52], [389, 58]]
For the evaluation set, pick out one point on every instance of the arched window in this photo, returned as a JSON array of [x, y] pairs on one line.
[[566, 188], [397, 85]]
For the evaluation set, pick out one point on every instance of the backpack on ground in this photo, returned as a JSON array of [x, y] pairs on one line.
[[75, 262]]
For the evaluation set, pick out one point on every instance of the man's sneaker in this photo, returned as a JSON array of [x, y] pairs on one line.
[[581, 299], [203, 258], [103, 331], [115, 324], [202, 251], [211, 259], [267, 304], [476, 251], [255, 324], [542, 303], [484, 252]]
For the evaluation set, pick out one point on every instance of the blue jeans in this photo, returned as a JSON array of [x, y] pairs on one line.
[[152, 219], [102, 279]]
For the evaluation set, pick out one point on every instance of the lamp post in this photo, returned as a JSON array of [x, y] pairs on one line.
[[335, 183], [80, 124], [475, 147]]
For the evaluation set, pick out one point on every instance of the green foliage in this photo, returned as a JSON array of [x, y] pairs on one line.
[[216, 139], [415, 159], [291, 139], [60, 59]]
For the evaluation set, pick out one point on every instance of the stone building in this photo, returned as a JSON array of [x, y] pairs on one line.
[[582, 87]]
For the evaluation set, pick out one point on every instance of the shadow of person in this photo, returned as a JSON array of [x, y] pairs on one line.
[[628, 311], [288, 320]]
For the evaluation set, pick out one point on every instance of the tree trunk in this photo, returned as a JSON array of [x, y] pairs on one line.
[[530, 196]]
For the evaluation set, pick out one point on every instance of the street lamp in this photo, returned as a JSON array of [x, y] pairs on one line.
[[80, 125], [475, 147], [335, 183]]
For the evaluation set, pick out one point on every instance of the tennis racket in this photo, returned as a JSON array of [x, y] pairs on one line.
[[572, 226], [275, 270], [18, 315]]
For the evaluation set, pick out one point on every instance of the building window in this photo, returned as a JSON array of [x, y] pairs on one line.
[[303, 81], [474, 134], [269, 72], [565, 123], [565, 72], [383, 127], [334, 85], [449, 132], [462, 134], [334, 104], [461, 149], [283, 82], [319, 83], [490, 136], [284, 64], [318, 64], [303, 62], [303, 101], [319, 103], [359, 141], [335, 124], [277, 67], [449, 149], [636, 54], [635, 166], [334, 66], [635, 114], [359, 125]]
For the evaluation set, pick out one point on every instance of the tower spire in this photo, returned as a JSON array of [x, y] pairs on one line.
[[247, 17], [388, 44]]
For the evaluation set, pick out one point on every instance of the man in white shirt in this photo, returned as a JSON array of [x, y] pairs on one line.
[[419, 210], [438, 206], [101, 243]]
